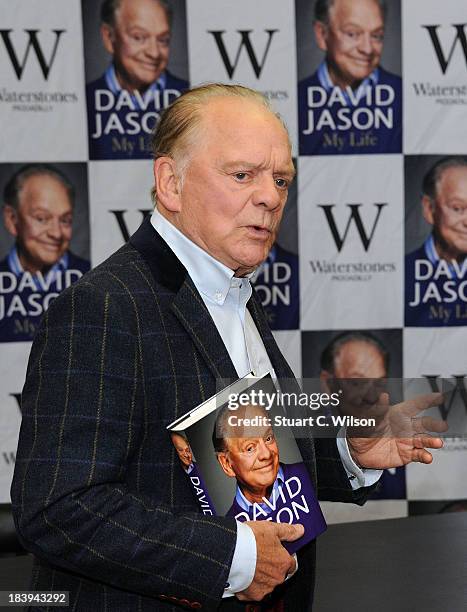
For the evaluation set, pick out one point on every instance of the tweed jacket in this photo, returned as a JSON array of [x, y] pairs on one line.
[[98, 494]]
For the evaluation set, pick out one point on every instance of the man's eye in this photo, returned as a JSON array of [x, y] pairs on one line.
[[241, 176], [139, 38], [269, 439], [281, 183], [250, 449]]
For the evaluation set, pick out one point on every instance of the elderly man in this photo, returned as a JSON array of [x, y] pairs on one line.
[[435, 273], [38, 213], [98, 493], [124, 104], [350, 105]]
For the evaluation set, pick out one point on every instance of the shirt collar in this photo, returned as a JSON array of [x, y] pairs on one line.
[[245, 504], [115, 87], [325, 81], [210, 276], [15, 266], [434, 258]]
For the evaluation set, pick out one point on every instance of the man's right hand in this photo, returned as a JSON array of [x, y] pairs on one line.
[[273, 562]]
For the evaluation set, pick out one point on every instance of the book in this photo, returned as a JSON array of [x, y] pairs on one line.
[[240, 464]]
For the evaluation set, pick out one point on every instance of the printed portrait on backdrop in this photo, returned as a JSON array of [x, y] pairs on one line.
[[38, 213], [349, 104], [436, 270], [124, 103], [359, 363]]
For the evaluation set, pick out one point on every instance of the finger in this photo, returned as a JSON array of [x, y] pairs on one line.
[[426, 424], [420, 455], [420, 403], [289, 533], [427, 442]]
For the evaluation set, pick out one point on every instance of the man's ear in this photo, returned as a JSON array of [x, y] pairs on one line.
[[321, 33], [10, 220], [225, 465], [167, 184], [427, 207], [107, 34]]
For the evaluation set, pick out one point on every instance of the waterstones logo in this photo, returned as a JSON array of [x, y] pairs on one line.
[[38, 50], [447, 54], [342, 234], [354, 217], [459, 40], [456, 398], [245, 43], [32, 42]]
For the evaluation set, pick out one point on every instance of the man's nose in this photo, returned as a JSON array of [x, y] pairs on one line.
[[266, 193], [54, 230], [264, 452], [365, 44], [152, 48]]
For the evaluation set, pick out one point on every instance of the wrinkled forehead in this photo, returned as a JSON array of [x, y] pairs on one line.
[[358, 356], [43, 187], [452, 181], [142, 11], [249, 422], [366, 13], [231, 126]]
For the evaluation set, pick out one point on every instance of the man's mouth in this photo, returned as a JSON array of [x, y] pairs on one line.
[[259, 231], [149, 66], [266, 468], [50, 247]]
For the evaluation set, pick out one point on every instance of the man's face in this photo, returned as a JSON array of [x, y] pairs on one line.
[[139, 42], [359, 367], [42, 224], [236, 184], [252, 459], [448, 215], [183, 450], [353, 40]]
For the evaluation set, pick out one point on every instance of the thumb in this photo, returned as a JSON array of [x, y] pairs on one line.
[[289, 533]]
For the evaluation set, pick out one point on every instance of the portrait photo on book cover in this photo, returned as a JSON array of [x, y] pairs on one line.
[[44, 240], [349, 67], [435, 240], [136, 65], [250, 469]]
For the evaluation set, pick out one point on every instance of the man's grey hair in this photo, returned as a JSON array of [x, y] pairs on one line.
[[178, 130], [323, 7], [12, 190], [110, 7], [328, 356], [435, 173]]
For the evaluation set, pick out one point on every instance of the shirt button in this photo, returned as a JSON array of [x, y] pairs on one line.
[[218, 296]]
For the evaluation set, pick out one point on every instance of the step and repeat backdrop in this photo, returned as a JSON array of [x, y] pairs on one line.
[[368, 277]]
